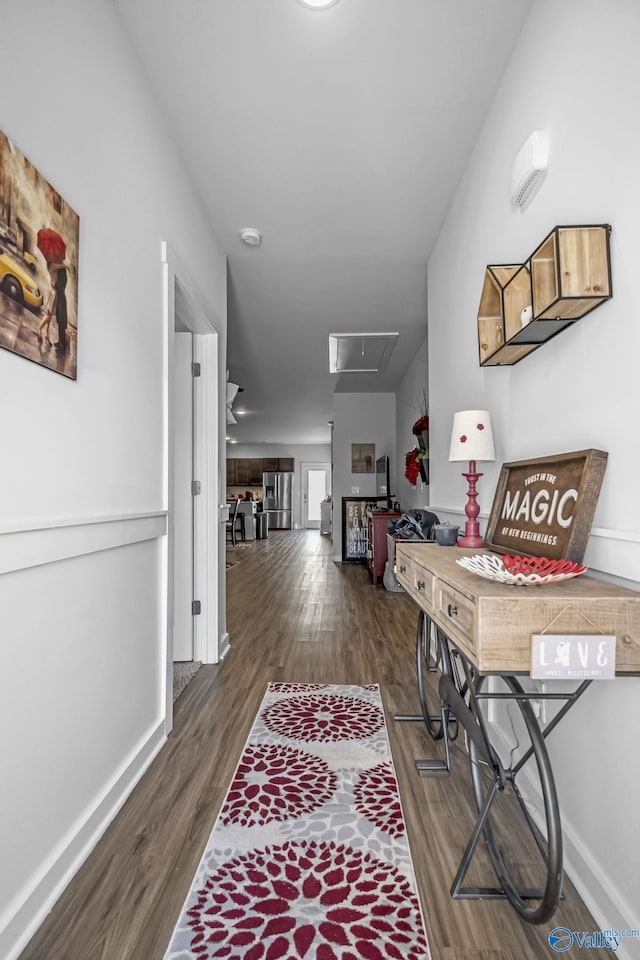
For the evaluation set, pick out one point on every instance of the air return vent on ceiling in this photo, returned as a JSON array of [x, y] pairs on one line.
[[360, 352]]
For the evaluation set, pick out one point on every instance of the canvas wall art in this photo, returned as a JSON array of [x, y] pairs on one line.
[[363, 457], [39, 237]]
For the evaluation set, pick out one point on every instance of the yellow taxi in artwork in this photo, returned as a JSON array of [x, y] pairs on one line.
[[17, 280]]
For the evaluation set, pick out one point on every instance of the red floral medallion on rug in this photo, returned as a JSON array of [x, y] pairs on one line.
[[308, 859]]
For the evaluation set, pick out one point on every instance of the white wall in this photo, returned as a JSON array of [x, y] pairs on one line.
[[301, 453], [359, 418], [409, 408], [83, 511], [574, 73]]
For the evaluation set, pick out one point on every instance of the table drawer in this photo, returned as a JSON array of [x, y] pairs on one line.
[[404, 573], [417, 581], [456, 615], [423, 583]]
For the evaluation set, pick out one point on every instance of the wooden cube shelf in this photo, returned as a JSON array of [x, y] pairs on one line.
[[566, 277], [493, 334], [571, 272]]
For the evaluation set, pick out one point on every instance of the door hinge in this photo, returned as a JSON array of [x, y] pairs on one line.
[[196, 369], [196, 488], [196, 608]]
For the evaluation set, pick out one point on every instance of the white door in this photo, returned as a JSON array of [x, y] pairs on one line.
[[183, 498], [316, 481]]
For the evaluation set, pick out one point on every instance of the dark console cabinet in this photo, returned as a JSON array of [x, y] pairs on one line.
[[377, 524]]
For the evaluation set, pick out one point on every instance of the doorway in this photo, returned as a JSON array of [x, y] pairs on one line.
[[183, 475], [316, 485], [193, 569]]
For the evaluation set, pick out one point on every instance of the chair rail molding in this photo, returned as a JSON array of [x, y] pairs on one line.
[[32, 543]]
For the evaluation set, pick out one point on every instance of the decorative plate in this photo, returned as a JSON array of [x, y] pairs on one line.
[[521, 571]]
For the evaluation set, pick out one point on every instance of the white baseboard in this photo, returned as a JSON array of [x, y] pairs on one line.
[[596, 887], [30, 907]]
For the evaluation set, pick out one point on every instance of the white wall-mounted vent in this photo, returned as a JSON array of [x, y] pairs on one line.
[[529, 167]]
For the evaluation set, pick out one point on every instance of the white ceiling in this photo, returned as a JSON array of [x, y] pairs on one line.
[[341, 135]]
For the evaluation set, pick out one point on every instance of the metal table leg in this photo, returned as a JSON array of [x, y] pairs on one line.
[[460, 704]]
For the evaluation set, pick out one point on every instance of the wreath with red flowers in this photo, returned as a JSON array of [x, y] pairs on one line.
[[412, 464]]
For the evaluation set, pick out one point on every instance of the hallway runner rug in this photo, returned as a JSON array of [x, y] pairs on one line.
[[308, 859]]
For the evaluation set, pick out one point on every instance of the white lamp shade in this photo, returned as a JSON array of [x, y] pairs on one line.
[[472, 436]]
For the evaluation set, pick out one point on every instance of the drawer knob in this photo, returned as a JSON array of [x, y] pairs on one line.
[[420, 584], [452, 611], [403, 569]]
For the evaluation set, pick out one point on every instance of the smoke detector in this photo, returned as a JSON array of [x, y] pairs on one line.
[[251, 236]]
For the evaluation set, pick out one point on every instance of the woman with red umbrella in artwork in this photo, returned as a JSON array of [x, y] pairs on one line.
[[54, 250]]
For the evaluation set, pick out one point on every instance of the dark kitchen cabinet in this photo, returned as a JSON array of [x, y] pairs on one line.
[[247, 472], [242, 472], [255, 472]]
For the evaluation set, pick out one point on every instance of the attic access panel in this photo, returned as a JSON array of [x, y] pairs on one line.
[[360, 352]]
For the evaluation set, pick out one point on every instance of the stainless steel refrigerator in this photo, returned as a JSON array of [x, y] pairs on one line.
[[277, 489]]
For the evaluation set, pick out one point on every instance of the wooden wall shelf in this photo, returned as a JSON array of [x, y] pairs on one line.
[[566, 277]]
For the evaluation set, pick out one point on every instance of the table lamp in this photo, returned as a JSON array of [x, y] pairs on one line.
[[472, 440]]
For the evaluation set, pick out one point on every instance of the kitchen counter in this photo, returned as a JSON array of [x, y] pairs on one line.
[[248, 508]]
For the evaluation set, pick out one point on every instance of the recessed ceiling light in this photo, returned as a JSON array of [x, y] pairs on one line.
[[251, 236], [318, 4]]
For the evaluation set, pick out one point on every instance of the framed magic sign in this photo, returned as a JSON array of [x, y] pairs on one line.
[[545, 507]]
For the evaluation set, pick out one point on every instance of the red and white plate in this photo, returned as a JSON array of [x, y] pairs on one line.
[[521, 571]]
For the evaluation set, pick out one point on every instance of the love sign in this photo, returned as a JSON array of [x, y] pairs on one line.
[[573, 657]]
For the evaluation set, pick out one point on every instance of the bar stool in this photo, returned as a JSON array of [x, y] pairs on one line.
[[237, 518]]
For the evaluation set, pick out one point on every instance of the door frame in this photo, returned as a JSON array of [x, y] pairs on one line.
[[208, 639], [185, 539], [304, 470]]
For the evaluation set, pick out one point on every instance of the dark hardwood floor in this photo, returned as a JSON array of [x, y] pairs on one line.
[[293, 615]]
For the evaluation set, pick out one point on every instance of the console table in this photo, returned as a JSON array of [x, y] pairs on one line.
[[492, 623], [470, 629]]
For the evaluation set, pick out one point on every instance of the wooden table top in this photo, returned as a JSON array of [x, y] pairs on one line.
[[495, 621]]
